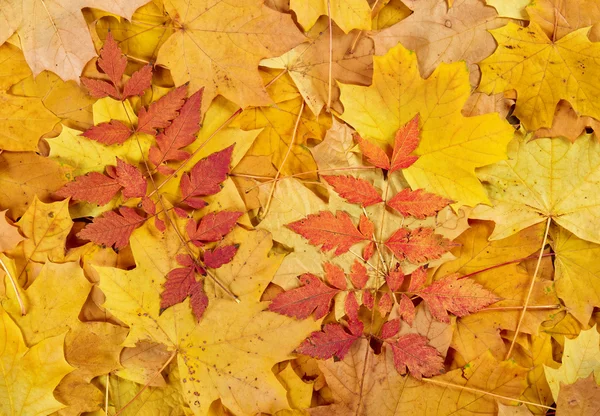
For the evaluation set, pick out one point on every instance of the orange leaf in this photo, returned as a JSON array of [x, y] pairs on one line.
[[131, 179], [374, 154], [411, 351], [93, 187], [112, 62], [161, 112], [354, 190], [358, 275], [312, 297], [139, 82], [114, 132], [335, 276], [418, 245], [100, 89], [112, 228], [419, 204], [407, 140]]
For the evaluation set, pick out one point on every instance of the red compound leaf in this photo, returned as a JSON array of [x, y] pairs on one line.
[[354, 190], [219, 256], [113, 229], [205, 177], [461, 297], [180, 284], [418, 245], [112, 61], [212, 227], [161, 112], [375, 155], [93, 187], [419, 204], [113, 132], [313, 297], [422, 360], [131, 179], [407, 140], [333, 341], [328, 231]]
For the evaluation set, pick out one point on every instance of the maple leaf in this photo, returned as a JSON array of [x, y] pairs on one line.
[[355, 190], [329, 231], [93, 187], [212, 227], [411, 351], [557, 19], [542, 72], [206, 177], [179, 134], [333, 341], [459, 296], [418, 245], [113, 229], [419, 204], [311, 298], [349, 14], [208, 33], [450, 144]]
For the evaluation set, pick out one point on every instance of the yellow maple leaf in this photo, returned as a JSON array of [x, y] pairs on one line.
[[29, 374], [218, 45], [580, 359], [13, 68], [451, 145], [558, 17], [543, 72], [54, 34], [348, 14]]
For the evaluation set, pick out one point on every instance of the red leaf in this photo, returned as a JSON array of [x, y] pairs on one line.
[[131, 179], [406, 310], [112, 228], [114, 132], [335, 276], [368, 300], [100, 89], [458, 296], [198, 299], [407, 140], [374, 154], [180, 284], [206, 177], [180, 133], [358, 275], [390, 328], [354, 190], [333, 341], [212, 227], [139, 82], [219, 256], [418, 245], [93, 187], [161, 112], [422, 360], [368, 251], [394, 279], [111, 61], [366, 227], [312, 296], [418, 278], [419, 204], [351, 307], [328, 231], [385, 304]]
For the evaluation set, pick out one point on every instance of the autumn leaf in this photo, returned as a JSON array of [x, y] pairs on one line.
[[412, 352], [113, 228], [418, 245], [355, 190], [333, 341], [418, 203], [352, 14]]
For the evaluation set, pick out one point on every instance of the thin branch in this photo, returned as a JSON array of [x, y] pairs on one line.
[[359, 34], [518, 308], [16, 289], [531, 285], [106, 394], [330, 76], [506, 263], [282, 73]]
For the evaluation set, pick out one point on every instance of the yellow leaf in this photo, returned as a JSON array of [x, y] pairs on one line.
[[218, 45], [25, 175], [29, 375], [46, 227], [23, 121], [348, 14], [539, 181], [450, 146], [558, 17], [299, 393], [439, 34], [54, 35], [543, 72], [580, 359], [514, 9], [392, 12], [13, 67]]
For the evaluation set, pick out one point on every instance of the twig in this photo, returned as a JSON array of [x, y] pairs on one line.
[[359, 34], [14, 285], [106, 394], [276, 78], [330, 77]]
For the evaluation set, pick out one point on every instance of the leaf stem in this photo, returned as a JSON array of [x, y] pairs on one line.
[[531, 285], [505, 264], [14, 285]]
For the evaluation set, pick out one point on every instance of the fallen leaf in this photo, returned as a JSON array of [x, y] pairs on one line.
[[567, 123], [113, 229], [9, 232], [354, 190], [348, 14], [411, 351], [559, 18], [579, 398], [514, 9], [417, 246]]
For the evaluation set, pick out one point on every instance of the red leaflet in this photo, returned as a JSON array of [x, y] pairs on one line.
[[358, 275], [180, 284], [422, 360], [368, 300], [418, 245], [328, 231], [139, 82], [355, 190], [100, 89], [374, 154], [394, 279], [458, 296], [385, 304], [335, 276], [312, 296], [367, 228], [131, 179], [333, 341], [112, 228], [93, 187], [161, 112], [390, 328], [418, 278], [114, 132], [206, 177], [212, 227], [179, 134], [419, 204], [219, 256], [407, 140], [111, 61], [406, 310], [198, 299], [351, 308]]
